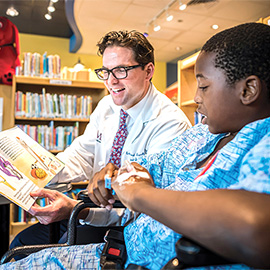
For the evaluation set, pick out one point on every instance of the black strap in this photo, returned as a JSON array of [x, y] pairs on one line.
[[9, 44], [114, 253]]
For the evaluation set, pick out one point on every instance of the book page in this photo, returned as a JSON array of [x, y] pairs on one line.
[[24, 166]]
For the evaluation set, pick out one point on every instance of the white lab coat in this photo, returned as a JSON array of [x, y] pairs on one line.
[[153, 123]]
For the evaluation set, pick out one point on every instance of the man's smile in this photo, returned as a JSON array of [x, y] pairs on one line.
[[117, 90]]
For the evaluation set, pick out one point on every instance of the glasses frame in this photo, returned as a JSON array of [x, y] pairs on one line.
[[111, 71]]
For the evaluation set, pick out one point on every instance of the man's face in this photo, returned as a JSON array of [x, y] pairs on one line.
[[129, 91], [217, 100]]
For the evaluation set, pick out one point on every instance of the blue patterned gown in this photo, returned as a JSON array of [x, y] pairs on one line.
[[244, 163]]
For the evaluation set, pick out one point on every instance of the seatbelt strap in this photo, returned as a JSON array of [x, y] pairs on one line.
[[114, 253]]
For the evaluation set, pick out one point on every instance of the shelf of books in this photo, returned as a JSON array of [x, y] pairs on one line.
[[54, 111]]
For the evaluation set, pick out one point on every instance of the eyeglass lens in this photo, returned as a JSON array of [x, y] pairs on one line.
[[118, 73]]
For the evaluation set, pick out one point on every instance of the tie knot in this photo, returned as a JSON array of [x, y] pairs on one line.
[[123, 116]]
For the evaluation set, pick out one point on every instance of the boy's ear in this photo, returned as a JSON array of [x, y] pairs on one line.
[[251, 90]]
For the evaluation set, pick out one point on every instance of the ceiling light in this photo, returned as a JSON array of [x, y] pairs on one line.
[[169, 17], [48, 16], [215, 26], [51, 8], [182, 6], [78, 66], [178, 48], [12, 12], [54, 1], [157, 27]]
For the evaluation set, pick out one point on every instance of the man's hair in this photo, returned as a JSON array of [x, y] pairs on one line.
[[242, 51], [136, 41]]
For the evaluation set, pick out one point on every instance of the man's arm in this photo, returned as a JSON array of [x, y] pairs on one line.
[[60, 206], [233, 223]]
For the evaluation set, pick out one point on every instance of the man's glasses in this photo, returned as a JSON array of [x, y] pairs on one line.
[[118, 72]]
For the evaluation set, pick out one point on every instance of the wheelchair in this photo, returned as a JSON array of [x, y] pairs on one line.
[[189, 253]]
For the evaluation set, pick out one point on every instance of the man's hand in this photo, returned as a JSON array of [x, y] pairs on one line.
[[97, 192], [59, 207], [129, 184]]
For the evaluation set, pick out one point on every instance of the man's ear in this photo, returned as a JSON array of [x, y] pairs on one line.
[[251, 89], [150, 70]]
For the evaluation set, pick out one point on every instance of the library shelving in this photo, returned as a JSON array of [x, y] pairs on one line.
[[187, 86], [52, 86], [55, 86]]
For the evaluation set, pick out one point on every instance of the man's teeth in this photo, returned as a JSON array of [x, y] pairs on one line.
[[118, 90]]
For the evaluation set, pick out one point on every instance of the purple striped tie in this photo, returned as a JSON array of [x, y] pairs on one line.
[[119, 140]]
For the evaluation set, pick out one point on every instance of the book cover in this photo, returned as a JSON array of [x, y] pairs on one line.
[[24, 166]]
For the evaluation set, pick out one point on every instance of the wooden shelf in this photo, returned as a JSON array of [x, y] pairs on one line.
[[189, 103], [59, 82], [187, 86], [52, 119]]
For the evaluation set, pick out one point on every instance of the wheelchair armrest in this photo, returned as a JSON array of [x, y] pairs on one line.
[[83, 195], [192, 254]]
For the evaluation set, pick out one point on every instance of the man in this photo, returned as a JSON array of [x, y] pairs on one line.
[[152, 122], [209, 173]]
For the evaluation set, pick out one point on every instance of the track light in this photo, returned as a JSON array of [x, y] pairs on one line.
[[164, 11], [169, 17], [51, 8], [48, 16], [12, 12], [182, 6], [157, 27]]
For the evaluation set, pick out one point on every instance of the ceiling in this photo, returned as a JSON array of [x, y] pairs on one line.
[[188, 30], [31, 18]]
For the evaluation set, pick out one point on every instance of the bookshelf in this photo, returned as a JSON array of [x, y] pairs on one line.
[[53, 86], [187, 86]]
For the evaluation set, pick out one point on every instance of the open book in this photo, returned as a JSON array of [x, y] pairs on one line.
[[24, 166]]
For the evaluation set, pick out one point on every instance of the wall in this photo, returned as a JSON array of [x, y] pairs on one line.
[[60, 46]]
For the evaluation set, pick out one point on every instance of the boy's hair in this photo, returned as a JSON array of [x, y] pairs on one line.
[[143, 50], [242, 51]]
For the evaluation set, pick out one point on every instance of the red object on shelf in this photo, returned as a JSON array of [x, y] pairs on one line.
[[9, 50]]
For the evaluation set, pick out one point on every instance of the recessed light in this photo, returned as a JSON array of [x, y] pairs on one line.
[[215, 26], [178, 48]]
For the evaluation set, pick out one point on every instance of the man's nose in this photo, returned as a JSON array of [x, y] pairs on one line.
[[111, 78]]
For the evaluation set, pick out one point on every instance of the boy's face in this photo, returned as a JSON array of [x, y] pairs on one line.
[[129, 91], [217, 100]]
